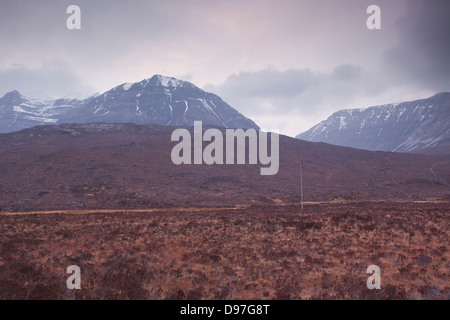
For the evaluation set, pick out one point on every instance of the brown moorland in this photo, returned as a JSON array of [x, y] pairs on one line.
[[258, 252], [115, 166], [112, 202]]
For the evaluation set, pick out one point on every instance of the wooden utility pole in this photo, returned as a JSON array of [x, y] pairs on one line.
[[301, 184]]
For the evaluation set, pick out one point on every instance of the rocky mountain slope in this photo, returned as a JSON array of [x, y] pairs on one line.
[[159, 100], [401, 127]]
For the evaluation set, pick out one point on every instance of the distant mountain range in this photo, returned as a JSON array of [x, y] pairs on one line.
[[158, 100], [401, 127]]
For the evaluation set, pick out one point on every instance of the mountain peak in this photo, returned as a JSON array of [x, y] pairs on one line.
[[165, 81], [164, 100], [156, 81], [159, 100], [13, 94]]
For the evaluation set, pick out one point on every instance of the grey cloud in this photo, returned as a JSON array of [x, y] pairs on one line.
[[347, 72], [53, 78], [284, 98], [295, 91], [422, 55], [109, 29], [268, 83]]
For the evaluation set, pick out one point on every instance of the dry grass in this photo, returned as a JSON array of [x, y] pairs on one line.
[[259, 252]]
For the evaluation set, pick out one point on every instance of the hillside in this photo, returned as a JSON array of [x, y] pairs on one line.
[[400, 127], [129, 166]]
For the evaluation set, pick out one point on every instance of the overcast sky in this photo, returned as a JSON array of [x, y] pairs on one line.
[[286, 64]]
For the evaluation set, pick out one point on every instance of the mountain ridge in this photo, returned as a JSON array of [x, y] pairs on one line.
[[158, 100], [399, 127]]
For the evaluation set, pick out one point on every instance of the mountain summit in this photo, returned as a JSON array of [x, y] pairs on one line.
[[164, 101], [158, 100], [400, 127]]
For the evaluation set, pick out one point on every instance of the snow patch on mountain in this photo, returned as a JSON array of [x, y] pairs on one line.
[[127, 86], [400, 127], [157, 100], [169, 81]]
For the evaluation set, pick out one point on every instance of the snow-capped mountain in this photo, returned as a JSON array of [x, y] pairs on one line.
[[164, 101], [400, 127], [158, 100], [19, 112]]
